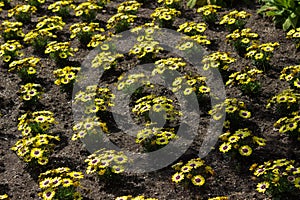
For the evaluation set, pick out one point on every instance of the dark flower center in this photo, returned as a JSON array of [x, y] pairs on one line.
[[245, 150]]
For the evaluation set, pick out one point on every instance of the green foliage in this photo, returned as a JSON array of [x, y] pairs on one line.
[[225, 3], [155, 138], [60, 184], [84, 31], [130, 197], [261, 54], [32, 123], [195, 172], [279, 177], [62, 8], [60, 51], [120, 21], [10, 50], [107, 163], [30, 92], [35, 149], [46, 29], [36, 3], [291, 74], [193, 3], [246, 80], [241, 142], [289, 125], [88, 126], [235, 20], [284, 13], [235, 110], [26, 68], [12, 30], [22, 13], [87, 11], [241, 39], [171, 3], [219, 60], [66, 77], [285, 102], [294, 34], [208, 13], [164, 16], [129, 7]]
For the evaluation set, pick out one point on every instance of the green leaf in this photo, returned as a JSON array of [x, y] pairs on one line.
[[191, 3], [294, 20], [212, 2], [280, 3], [297, 10], [293, 15], [287, 24], [266, 8], [291, 4], [275, 13]]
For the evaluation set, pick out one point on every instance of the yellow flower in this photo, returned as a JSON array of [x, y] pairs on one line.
[[188, 91], [204, 89], [259, 56], [259, 141], [77, 175], [48, 194], [66, 182], [245, 150], [45, 183], [262, 187], [117, 169], [79, 13], [206, 13], [233, 139], [102, 172], [43, 161], [267, 48], [261, 170], [245, 40], [177, 177], [162, 141], [244, 114], [217, 116], [119, 159], [177, 166], [198, 180], [186, 168], [124, 197], [4, 196], [253, 166], [225, 147], [297, 182], [231, 109], [36, 153], [231, 21]]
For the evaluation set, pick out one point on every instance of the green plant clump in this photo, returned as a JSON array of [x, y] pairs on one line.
[[284, 13]]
